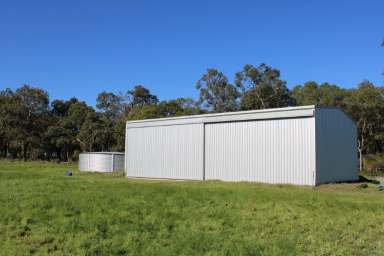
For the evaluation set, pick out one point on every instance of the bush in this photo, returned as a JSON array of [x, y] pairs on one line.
[[374, 163]]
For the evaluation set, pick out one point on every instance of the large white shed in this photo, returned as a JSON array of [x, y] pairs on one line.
[[295, 145]]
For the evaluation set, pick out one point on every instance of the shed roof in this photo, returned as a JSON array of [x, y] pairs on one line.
[[263, 114]]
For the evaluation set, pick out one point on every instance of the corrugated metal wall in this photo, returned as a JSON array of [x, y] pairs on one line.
[[272, 151], [83, 162], [304, 145], [99, 162], [173, 152], [118, 162], [336, 146]]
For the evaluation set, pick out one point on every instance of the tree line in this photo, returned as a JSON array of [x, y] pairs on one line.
[[33, 127]]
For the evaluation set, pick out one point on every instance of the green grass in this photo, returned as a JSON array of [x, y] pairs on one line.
[[43, 212]]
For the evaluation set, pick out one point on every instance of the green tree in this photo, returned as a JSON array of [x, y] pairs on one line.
[[119, 135], [61, 135], [171, 108], [96, 132], [308, 94], [216, 93], [110, 103], [262, 88], [144, 112], [77, 114], [320, 95], [366, 105], [60, 108], [178, 107], [140, 96], [9, 116], [59, 141], [115, 110], [30, 110], [331, 95]]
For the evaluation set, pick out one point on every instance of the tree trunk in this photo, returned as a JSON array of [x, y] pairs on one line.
[[260, 99], [6, 149], [361, 144], [360, 160], [25, 149], [360, 149]]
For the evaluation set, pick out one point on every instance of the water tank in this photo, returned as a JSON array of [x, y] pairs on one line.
[[101, 161]]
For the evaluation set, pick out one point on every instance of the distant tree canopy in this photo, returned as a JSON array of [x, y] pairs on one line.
[[32, 127], [366, 106], [262, 88], [216, 93], [321, 95]]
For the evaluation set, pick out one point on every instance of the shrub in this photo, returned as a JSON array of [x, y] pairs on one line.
[[374, 163]]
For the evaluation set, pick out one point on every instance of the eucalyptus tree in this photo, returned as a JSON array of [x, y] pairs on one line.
[[216, 93], [61, 136], [311, 93], [8, 120], [366, 106], [111, 104], [140, 96], [262, 88], [31, 108]]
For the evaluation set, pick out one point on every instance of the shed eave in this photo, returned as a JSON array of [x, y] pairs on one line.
[[264, 114]]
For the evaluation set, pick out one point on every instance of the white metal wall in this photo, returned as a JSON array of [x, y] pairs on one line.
[[303, 145], [99, 162], [118, 162], [336, 146], [170, 151], [83, 162], [271, 151]]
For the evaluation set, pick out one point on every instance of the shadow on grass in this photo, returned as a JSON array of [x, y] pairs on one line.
[[360, 180], [366, 180]]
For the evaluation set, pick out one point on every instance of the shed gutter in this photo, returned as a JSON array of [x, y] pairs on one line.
[[265, 114]]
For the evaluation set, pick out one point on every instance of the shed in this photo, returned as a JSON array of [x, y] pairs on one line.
[[295, 145], [101, 161]]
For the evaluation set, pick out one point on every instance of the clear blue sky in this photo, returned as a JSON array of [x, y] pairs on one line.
[[80, 48]]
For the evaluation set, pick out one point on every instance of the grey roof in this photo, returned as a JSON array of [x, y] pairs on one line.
[[272, 113]]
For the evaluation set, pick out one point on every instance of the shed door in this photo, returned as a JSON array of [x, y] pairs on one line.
[[170, 152], [272, 151]]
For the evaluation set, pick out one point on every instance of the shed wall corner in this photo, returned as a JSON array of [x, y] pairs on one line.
[[336, 146]]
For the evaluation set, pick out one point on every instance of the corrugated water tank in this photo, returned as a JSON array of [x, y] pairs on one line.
[[101, 161]]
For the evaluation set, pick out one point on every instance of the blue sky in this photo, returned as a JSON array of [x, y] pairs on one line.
[[80, 48]]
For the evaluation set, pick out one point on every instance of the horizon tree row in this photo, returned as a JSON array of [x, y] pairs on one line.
[[33, 127]]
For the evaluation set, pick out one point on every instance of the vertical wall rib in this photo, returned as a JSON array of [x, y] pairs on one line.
[[173, 152], [272, 151]]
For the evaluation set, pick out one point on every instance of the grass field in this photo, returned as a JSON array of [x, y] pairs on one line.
[[43, 212]]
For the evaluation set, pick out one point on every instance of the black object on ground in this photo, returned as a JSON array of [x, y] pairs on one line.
[[363, 185], [68, 173], [363, 179]]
